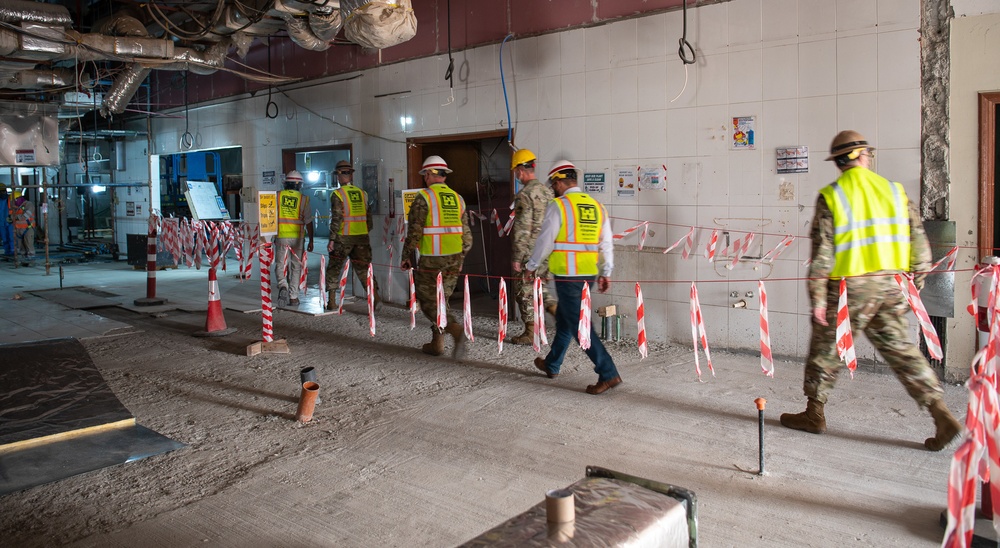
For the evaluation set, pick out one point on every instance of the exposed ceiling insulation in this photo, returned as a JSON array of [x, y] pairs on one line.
[[97, 54]]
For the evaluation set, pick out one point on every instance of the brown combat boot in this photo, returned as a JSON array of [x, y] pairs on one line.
[[457, 332], [527, 337], [946, 425], [812, 420], [551, 309], [331, 301], [436, 346]]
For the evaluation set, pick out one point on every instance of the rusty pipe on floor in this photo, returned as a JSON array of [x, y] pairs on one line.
[[307, 401]]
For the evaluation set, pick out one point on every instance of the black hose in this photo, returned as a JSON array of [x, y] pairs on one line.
[[685, 46]]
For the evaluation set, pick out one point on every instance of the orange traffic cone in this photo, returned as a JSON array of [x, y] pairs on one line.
[[215, 323]]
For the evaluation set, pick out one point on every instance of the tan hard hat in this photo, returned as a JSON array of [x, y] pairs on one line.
[[343, 164], [846, 142]]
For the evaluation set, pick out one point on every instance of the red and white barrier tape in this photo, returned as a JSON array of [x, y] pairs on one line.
[[412, 306], [442, 304], [679, 241], [977, 459], [583, 329], [538, 302], [266, 306], [342, 285], [388, 292], [324, 298], [688, 244], [770, 256], [371, 299], [845, 340], [304, 274], [284, 262], [743, 250], [502, 316], [642, 238], [766, 359], [640, 318], [698, 332], [467, 311], [950, 257], [712, 242], [912, 296]]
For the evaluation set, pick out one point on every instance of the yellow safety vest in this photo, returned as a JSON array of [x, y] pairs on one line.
[[575, 250], [443, 228], [354, 201], [871, 223], [290, 223]]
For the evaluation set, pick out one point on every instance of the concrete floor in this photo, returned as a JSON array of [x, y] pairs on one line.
[[408, 450]]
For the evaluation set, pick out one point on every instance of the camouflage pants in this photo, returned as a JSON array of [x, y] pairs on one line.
[[361, 257], [290, 282], [524, 293], [877, 307], [425, 283]]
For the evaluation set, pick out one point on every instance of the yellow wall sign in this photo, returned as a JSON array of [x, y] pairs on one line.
[[408, 197], [268, 202]]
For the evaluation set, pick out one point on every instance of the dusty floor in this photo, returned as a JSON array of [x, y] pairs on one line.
[[408, 450]]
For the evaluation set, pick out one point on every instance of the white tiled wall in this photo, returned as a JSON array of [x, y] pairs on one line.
[[617, 95]]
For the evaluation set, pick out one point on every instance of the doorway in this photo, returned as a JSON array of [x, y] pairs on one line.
[[316, 166], [480, 164], [989, 172]]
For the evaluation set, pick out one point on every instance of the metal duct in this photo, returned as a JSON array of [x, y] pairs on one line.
[[123, 89], [198, 62], [326, 26], [302, 35], [34, 79], [98, 47], [17, 11], [120, 25]]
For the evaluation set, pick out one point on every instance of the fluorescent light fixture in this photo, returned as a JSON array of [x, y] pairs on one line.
[[313, 176], [98, 188]]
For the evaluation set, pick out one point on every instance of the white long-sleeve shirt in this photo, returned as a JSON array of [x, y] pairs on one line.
[[551, 224]]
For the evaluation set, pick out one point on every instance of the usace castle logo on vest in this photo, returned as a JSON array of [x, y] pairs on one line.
[[354, 195], [289, 201], [588, 214], [448, 202]]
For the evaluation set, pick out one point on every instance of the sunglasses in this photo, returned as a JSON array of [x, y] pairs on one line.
[[345, 172]]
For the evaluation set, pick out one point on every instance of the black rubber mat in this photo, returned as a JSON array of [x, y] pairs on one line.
[[51, 393]]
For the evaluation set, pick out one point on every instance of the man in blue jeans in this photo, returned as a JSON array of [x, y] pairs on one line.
[[576, 237]]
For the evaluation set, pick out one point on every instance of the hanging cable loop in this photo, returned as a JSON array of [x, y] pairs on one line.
[[685, 47]]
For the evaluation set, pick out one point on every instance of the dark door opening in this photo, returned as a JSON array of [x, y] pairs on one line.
[[480, 165]]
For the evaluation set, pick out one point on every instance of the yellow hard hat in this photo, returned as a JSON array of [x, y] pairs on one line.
[[17, 194], [849, 143], [521, 157]]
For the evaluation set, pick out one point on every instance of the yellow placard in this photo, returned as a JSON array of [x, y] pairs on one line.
[[408, 197], [268, 215]]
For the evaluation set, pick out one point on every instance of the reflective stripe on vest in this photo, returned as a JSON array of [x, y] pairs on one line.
[[289, 214], [871, 223], [354, 202], [443, 229], [23, 218], [575, 251]]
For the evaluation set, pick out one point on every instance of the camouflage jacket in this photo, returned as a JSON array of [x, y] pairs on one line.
[[823, 255], [417, 218], [337, 219], [529, 210]]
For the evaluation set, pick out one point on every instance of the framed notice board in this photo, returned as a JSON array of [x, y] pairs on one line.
[[205, 203]]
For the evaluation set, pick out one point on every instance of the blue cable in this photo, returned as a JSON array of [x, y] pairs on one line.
[[506, 103]]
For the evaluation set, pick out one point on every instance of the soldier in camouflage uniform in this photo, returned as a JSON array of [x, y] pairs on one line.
[[855, 235], [529, 210], [349, 233], [442, 249]]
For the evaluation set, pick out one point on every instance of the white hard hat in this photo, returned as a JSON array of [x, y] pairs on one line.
[[564, 169], [293, 176], [434, 163]]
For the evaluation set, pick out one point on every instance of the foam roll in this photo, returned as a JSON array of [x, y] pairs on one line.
[[559, 506]]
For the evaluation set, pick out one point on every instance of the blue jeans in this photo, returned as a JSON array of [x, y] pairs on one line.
[[569, 290]]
